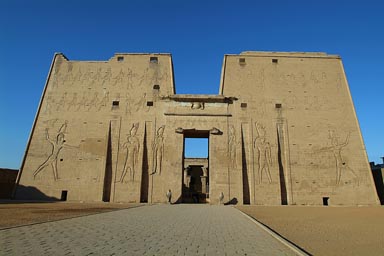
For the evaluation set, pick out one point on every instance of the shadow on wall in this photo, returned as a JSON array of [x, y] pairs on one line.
[[233, 201], [32, 193]]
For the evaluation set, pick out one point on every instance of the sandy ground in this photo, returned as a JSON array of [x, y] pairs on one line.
[[19, 213], [326, 230]]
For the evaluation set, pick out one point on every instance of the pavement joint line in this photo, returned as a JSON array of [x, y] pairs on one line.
[[68, 218], [275, 235]]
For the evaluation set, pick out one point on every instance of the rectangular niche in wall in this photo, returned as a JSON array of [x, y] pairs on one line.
[[153, 60]]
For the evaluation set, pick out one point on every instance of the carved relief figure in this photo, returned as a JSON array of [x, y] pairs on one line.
[[341, 165], [56, 77], [262, 77], [119, 78], [97, 76], [106, 78], [61, 103], [86, 76], [142, 103], [130, 75], [127, 104], [77, 77], [68, 77], [50, 122], [93, 101], [73, 101], [103, 101], [132, 146], [338, 81], [263, 153], [81, 103], [48, 105], [57, 145], [158, 150], [232, 147]]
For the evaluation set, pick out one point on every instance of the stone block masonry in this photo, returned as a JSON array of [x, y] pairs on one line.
[[281, 130]]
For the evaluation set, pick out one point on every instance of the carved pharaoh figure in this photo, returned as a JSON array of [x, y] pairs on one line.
[[158, 150], [132, 147], [263, 153], [341, 164], [57, 145]]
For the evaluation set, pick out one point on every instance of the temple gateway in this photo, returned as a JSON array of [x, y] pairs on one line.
[[281, 130]]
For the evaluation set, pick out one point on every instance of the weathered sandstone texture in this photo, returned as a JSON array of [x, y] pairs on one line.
[[282, 130]]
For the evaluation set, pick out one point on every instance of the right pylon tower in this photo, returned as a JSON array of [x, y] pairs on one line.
[[301, 140]]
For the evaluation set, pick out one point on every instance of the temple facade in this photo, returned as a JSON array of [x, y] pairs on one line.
[[281, 130]]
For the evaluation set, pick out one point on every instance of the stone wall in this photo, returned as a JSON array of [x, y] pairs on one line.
[[282, 130], [297, 108]]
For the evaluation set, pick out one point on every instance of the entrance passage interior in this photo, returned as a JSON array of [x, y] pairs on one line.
[[195, 181]]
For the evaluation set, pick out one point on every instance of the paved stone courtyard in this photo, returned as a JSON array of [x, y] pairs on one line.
[[147, 230]]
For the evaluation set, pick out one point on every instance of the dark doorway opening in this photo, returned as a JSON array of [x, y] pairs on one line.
[[325, 201], [64, 194], [195, 173]]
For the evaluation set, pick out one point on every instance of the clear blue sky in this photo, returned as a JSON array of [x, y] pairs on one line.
[[198, 34]]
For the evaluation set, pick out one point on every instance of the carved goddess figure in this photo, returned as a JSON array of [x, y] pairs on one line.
[[57, 145], [132, 146], [264, 153], [158, 150], [232, 147]]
